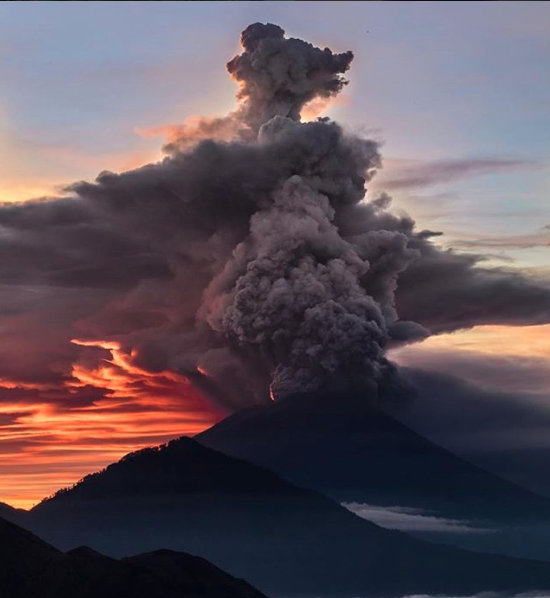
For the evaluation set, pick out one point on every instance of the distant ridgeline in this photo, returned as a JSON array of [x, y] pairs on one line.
[[285, 540]]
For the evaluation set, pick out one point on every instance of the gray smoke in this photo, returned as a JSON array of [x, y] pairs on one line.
[[249, 260], [278, 76]]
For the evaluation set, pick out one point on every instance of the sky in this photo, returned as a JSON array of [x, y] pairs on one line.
[[457, 93]]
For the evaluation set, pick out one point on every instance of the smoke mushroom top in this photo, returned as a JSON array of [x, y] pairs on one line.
[[248, 259], [278, 76]]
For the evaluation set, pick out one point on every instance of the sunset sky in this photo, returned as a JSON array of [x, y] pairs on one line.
[[457, 92]]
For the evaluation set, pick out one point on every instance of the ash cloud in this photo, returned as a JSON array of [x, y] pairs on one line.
[[248, 258], [278, 76]]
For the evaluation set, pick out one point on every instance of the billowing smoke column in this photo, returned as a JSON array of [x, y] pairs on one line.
[[294, 289], [247, 259]]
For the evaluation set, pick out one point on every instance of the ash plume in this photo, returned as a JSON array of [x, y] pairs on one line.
[[278, 76], [249, 259]]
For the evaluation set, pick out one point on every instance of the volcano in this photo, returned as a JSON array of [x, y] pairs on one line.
[[357, 453], [286, 540]]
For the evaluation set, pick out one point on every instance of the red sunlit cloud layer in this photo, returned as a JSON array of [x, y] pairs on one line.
[[52, 434]]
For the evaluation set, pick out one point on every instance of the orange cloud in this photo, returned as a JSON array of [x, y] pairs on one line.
[[224, 128], [75, 164], [527, 341], [14, 191], [193, 130], [507, 358], [46, 445]]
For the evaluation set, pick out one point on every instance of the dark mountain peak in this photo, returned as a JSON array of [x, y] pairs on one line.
[[186, 569], [10, 512], [23, 557], [22, 543], [165, 552], [180, 466], [354, 451], [320, 415], [86, 552]]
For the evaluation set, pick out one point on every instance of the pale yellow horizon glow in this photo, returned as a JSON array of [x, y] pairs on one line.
[[525, 341]]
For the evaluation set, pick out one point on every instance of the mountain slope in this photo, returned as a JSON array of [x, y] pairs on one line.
[[356, 453], [11, 513], [286, 540], [33, 569]]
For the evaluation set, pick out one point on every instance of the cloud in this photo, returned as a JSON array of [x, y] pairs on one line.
[[230, 245], [446, 290], [245, 262], [408, 175], [52, 435], [411, 520], [506, 431], [505, 372], [527, 241], [279, 76]]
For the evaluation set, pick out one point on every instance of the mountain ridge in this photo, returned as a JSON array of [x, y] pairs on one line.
[[355, 452], [31, 568], [286, 540]]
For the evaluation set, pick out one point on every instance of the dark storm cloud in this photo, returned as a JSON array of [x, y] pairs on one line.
[[247, 260], [446, 291]]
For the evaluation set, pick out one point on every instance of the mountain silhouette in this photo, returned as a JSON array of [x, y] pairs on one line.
[[11, 513], [32, 568], [357, 453], [286, 540]]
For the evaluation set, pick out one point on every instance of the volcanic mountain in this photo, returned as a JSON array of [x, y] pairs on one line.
[[286, 540], [357, 453], [33, 569]]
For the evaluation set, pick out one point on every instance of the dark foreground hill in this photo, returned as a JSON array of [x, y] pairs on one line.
[[285, 540], [33, 569]]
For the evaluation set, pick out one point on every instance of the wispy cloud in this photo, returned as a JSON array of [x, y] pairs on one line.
[[409, 519], [502, 358], [411, 174], [540, 238]]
